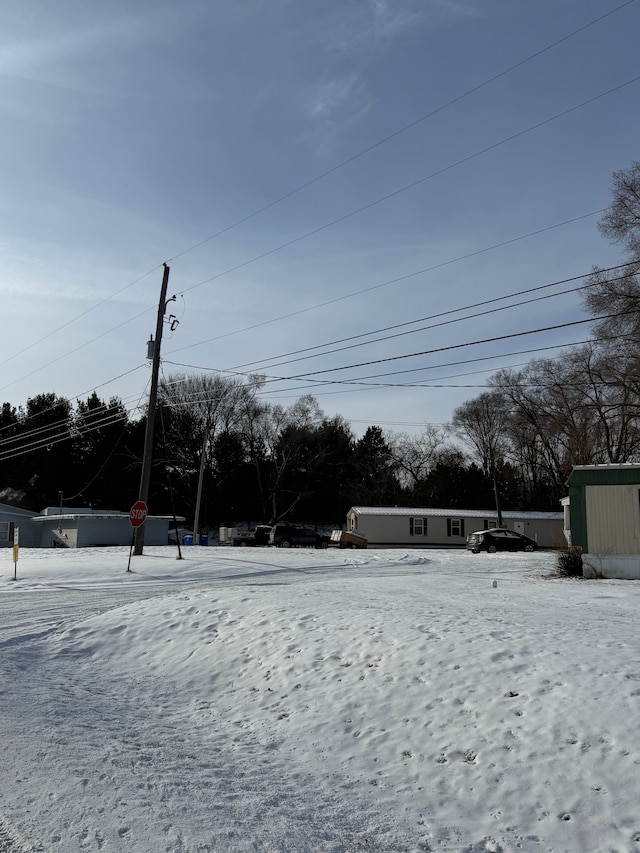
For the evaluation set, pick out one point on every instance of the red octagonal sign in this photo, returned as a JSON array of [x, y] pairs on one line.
[[138, 513]]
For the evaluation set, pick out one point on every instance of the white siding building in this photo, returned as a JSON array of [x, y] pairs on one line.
[[86, 528], [419, 527]]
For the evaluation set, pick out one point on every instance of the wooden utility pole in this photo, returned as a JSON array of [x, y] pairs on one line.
[[145, 477]]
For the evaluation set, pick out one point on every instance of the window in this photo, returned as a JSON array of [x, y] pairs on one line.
[[417, 527], [455, 527], [5, 530]]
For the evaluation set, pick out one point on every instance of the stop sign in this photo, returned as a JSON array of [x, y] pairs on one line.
[[138, 513]]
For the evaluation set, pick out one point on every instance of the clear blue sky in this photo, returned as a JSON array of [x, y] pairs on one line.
[[134, 133]]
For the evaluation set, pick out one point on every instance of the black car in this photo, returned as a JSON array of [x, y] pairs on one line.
[[499, 539], [292, 535]]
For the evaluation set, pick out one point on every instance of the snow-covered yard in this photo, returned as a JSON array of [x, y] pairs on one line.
[[268, 700]]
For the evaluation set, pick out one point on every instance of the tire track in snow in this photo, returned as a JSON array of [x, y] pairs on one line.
[[10, 841]]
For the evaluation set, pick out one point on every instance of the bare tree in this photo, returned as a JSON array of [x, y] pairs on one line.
[[200, 407], [414, 456], [618, 292], [481, 423]]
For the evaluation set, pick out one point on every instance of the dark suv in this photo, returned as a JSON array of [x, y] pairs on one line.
[[293, 535], [499, 539]]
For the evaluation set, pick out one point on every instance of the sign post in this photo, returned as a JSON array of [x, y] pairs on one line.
[[137, 517], [16, 550]]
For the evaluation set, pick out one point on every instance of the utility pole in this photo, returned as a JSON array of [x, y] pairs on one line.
[[145, 477], [203, 454]]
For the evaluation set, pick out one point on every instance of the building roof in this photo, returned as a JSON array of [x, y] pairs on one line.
[[19, 512], [622, 474], [101, 516], [616, 466], [404, 511]]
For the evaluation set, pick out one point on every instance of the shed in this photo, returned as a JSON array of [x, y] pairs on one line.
[[14, 517], [603, 518], [85, 528], [418, 527]]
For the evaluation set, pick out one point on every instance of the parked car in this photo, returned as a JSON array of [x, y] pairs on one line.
[[295, 535], [499, 539]]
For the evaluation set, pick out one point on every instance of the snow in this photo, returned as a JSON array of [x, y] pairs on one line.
[[268, 700]]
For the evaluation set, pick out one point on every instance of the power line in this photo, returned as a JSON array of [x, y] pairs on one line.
[[451, 347], [53, 440], [259, 365], [326, 173], [78, 317], [396, 280], [415, 370], [411, 185], [434, 325], [349, 215], [405, 128]]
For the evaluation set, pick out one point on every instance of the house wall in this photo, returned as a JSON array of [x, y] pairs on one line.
[[87, 532], [613, 519], [23, 520], [604, 510], [396, 529]]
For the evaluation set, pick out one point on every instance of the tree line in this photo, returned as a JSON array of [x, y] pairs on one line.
[[223, 451]]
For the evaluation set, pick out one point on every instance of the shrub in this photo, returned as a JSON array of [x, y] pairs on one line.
[[570, 563]]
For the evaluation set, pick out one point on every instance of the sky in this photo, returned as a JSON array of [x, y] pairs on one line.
[[337, 187], [381, 701]]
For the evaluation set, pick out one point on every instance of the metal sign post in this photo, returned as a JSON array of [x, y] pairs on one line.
[[16, 549], [137, 517]]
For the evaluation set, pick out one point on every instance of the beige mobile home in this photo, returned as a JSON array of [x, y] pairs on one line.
[[417, 527], [603, 518]]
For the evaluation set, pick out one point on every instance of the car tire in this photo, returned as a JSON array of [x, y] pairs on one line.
[[491, 549], [353, 546], [529, 548], [285, 543]]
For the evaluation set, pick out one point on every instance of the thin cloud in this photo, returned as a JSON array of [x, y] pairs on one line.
[[335, 106], [373, 26], [335, 98]]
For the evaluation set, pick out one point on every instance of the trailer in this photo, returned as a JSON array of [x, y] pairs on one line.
[[348, 539]]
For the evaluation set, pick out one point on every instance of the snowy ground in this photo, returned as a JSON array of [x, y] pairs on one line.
[[269, 700]]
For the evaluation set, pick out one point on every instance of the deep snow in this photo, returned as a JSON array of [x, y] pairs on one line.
[[269, 700]]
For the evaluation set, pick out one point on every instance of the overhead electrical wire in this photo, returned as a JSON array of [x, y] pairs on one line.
[[409, 126], [386, 197], [411, 185], [58, 438], [73, 425], [259, 365], [343, 218], [317, 178], [292, 377], [434, 325], [388, 282], [71, 418], [363, 380], [452, 347]]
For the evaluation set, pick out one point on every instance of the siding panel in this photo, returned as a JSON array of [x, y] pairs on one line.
[[613, 519]]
